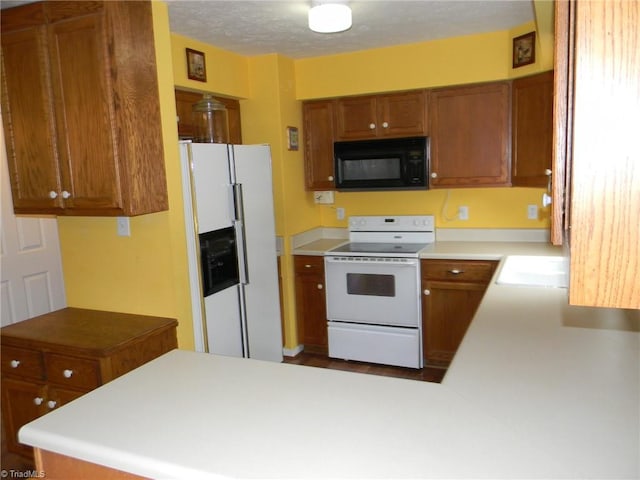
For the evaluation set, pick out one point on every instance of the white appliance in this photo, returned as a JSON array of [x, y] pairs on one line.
[[373, 290], [231, 243]]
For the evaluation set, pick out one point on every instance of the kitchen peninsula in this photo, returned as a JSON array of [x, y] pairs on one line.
[[537, 389]]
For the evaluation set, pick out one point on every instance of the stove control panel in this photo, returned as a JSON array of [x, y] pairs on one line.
[[392, 223]]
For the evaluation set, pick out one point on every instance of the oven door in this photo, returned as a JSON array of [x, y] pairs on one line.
[[373, 290]]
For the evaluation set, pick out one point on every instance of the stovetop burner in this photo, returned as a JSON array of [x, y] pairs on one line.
[[380, 248], [388, 236]]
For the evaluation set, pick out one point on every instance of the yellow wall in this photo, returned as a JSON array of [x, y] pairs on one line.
[[145, 273]]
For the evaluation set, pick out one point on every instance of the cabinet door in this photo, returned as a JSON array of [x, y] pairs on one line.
[[22, 402], [447, 311], [29, 122], [85, 120], [318, 144], [605, 156], [531, 134], [311, 310], [401, 115], [470, 136], [356, 118]]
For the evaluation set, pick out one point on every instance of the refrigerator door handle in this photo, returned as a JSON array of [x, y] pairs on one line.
[[241, 241]]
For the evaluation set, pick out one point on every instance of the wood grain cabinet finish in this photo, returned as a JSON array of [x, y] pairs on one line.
[[311, 310], [374, 116], [452, 291], [597, 150], [469, 132], [52, 359], [184, 105], [81, 110], [531, 131], [318, 120]]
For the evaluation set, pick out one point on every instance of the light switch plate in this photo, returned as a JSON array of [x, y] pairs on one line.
[[124, 227], [532, 212], [463, 213]]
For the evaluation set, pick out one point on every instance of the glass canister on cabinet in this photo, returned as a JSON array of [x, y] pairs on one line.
[[210, 121]]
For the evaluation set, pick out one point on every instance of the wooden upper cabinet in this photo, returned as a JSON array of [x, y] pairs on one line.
[[318, 116], [531, 133], [605, 155], [390, 115], [85, 138], [29, 121], [469, 135], [184, 104]]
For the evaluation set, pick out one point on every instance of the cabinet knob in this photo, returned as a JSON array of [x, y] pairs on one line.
[[320, 286], [372, 126], [38, 400], [67, 373], [330, 178], [385, 124], [548, 172], [455, 271], [307, 265], [546, 199], [434, 175], [427, 292], [53, 194], [52, 404], [65, 194], [15, 363]]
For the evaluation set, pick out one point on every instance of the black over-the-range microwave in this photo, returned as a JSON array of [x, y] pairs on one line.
[[384, 164]]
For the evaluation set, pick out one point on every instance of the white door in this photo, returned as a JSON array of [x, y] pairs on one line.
[[31, 281]]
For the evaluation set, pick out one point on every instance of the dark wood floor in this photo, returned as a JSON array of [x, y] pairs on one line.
[[426, 374]]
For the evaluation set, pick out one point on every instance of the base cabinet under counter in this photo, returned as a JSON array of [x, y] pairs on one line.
[[51, 360], [451, 293], [311, 310]]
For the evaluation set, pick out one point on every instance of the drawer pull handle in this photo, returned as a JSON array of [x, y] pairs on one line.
[[38, 400], [15, 363], [52, 404], [455, 271], [67, 373], [307, 266]]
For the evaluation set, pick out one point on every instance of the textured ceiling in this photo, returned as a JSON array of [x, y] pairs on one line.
[[256, 27], [261, 27]]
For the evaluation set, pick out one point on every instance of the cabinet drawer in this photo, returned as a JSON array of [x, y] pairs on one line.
[[462, 270], [74, 372], [309, 264], [22, 362]]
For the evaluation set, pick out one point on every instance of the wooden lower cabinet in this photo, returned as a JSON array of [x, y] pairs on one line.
[[311, 310], [53, 359], [452, 291]]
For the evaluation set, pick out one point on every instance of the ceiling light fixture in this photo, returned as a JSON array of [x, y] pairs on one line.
[[330, 17]]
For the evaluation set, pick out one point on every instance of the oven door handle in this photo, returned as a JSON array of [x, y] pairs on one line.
[[382, 261]]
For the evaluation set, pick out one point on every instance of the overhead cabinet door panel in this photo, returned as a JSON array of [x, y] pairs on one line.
[[84, 116]]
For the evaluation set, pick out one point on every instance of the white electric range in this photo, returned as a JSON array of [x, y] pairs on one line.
[[373, 290]]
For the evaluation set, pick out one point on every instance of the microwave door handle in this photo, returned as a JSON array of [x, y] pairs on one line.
[[238, 225]]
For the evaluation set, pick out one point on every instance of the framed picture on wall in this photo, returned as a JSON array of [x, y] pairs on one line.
[[196, 68], [524, 49]]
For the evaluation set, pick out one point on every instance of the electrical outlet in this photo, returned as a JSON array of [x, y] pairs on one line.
[[340, 213], [463, 213], [124, 227], [532, 212], [324, 198]]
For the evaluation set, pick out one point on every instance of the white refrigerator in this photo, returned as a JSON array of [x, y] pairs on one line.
[[228, 192]]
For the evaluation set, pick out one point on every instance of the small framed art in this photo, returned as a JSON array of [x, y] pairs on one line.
[[292, 138], [196, 68], [524, 49]]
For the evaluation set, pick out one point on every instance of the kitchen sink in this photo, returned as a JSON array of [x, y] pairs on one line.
[[534, 271]]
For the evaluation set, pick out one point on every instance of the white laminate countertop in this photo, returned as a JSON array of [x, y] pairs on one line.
[[537, 390]]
